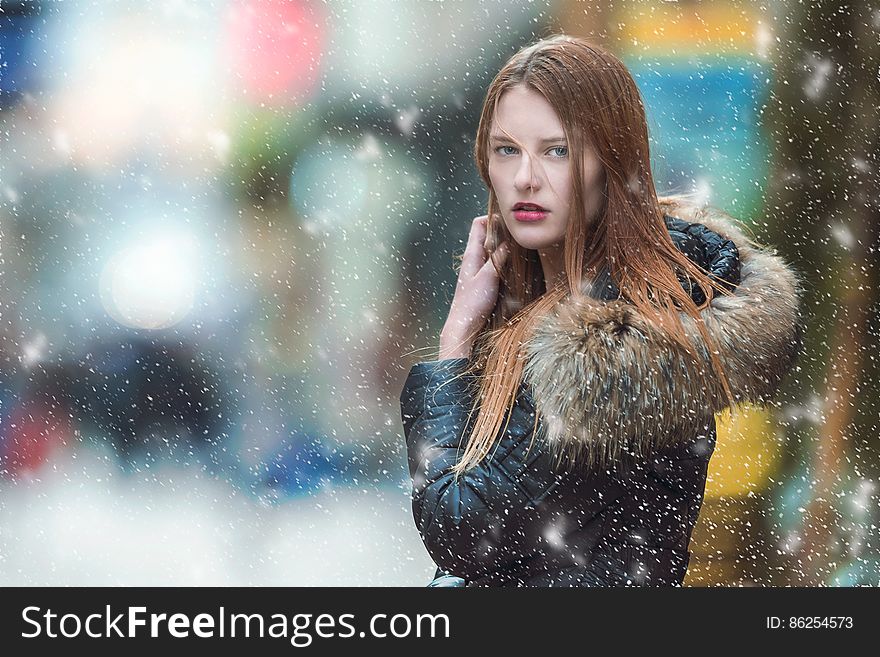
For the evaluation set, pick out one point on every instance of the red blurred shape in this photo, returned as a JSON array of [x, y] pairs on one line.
[[32, 433], [275, 48]]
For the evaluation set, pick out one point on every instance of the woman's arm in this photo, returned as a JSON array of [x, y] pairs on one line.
[[474, 525], [462, 523]]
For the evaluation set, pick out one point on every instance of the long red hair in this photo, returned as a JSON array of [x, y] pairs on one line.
[[598, 104]]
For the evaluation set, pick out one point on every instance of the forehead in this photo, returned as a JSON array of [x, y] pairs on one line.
[[526, 115]]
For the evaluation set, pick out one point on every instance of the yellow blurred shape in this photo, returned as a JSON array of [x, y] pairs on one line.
[[674, 28], [746, 452]]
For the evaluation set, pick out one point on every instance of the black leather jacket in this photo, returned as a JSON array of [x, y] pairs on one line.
[[516, 521]]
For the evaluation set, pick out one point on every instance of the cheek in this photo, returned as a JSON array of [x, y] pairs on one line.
[[494, 177], [563, 220]]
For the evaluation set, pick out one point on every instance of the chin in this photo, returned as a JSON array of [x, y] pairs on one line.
[[535, 242]]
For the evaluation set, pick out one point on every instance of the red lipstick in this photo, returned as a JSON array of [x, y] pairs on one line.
[[525, 211]]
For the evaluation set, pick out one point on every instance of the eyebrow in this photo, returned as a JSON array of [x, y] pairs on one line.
[[543, 141]]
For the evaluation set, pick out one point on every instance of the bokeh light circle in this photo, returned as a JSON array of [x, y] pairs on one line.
[[150, 285]]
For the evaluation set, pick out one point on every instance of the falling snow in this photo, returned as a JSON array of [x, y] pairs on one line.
[[229, 229]]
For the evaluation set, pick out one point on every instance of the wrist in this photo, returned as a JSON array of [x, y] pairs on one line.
[[452, 346]]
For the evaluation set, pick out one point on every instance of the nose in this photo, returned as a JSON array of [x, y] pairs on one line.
[[526, 176]]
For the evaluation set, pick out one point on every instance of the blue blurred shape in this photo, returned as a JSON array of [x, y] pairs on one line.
[[302, 465], [705, 120], [20, 27]]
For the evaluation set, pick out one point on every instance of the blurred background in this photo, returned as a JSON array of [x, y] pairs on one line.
[[227, 230]]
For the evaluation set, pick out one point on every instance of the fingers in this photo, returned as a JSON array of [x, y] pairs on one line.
[[475, 254], [501, 255], [502, 252]]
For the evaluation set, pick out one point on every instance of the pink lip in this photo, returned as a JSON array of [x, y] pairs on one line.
[[530, 215]]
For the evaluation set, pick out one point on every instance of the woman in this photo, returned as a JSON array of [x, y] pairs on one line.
[[563, 435]]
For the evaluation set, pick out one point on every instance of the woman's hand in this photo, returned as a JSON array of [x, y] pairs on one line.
[[475, 293]]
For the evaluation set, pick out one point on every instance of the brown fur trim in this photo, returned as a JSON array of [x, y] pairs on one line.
[[608, 383]]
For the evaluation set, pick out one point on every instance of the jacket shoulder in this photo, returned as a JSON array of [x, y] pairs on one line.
[[714, 253]]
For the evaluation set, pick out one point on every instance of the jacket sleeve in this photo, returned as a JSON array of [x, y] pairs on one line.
[[468, 526]]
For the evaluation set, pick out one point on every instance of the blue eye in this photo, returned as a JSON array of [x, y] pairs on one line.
[[555, 148]]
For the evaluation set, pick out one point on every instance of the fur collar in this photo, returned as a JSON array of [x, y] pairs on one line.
[[606, 383]]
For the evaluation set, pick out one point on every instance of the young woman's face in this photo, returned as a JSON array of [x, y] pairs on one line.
[[529, 163]]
